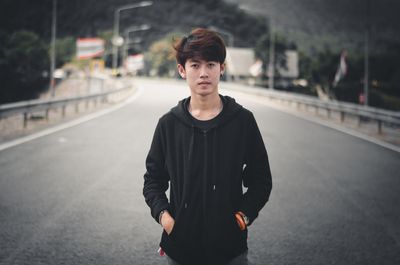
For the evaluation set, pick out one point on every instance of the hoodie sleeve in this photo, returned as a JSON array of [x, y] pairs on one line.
[[156, 177], [256, 174]]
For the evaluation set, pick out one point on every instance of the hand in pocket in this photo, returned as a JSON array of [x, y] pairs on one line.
[[167, 222]]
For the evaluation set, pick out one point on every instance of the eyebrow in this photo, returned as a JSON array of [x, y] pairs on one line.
[[199, 61]]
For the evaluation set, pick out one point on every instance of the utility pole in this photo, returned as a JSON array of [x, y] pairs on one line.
[[271, 65], [366, 53], [53, 48]]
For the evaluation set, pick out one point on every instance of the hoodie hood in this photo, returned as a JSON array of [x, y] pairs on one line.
[[230, 109]]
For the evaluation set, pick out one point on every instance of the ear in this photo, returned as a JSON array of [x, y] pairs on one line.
[[182, 71], [222, 68]]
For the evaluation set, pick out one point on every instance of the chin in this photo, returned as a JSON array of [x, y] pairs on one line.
[[205, 92]]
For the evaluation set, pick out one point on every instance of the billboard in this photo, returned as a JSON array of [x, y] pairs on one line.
[[89, 47]]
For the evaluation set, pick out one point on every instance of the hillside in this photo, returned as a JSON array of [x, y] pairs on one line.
[[330, 23], [87, 18]]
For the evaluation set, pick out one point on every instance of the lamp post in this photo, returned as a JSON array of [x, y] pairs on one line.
[[127, 34], [271, 65], [366, 53], [128, 43], [53, 48], [116, 40]]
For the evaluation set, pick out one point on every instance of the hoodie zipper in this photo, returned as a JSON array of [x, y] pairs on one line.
[[205, 189]]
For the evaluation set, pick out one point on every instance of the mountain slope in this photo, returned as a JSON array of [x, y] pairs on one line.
[[330, 23]]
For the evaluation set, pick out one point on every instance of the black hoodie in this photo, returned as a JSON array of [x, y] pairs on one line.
[[206, 170]]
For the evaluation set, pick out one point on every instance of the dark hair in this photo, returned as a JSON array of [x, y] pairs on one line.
[[201, 44]]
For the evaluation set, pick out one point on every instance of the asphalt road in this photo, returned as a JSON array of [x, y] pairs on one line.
[[75, 196]]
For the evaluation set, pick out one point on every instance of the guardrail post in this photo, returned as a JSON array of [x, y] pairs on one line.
[[342, 116], [25, 108], [329, 113], [86, 104], [25, 119], [379, 126], [359, 121]]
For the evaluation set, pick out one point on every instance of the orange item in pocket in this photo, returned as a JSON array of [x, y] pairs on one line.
[[240, 221]]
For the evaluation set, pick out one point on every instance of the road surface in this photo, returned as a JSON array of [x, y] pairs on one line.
[[75, 196]]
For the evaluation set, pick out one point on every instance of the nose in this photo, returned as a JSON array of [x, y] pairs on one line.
[[203, 72]]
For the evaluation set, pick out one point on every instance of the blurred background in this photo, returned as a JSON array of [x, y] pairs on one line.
[[335, 49], [84, 82]]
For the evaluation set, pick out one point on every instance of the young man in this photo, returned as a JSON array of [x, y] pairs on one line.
[[206, 148]]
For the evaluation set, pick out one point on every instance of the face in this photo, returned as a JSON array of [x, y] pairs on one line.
[[202, 76]]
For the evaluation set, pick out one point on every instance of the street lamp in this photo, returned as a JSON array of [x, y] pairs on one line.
[[366, 53], [127, 34], [116, 39], [128, 44], [53, 48]]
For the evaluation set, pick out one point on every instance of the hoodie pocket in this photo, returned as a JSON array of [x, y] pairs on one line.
[[173, 231], [179, 220]]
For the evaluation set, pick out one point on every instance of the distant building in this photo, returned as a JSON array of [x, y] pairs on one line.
[[242, 66], [287, 74], [291, 71], [238, 63]]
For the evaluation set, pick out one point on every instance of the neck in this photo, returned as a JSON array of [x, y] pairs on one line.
[[207, 107]]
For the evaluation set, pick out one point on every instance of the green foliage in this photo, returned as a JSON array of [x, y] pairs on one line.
[[161, 55], [261, 51], [65, 50], [384, 76], [24, 59]]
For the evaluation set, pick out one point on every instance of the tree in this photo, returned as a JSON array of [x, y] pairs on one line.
[[262, 51], [65, 50], [24, 60], [161, 56]]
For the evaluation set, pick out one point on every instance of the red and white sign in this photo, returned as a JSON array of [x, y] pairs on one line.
[[134, 63], [89, 47]]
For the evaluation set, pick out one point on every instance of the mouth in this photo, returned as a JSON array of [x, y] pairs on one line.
[[204, 83]]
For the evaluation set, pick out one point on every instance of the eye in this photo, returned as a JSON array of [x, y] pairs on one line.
[[211, 65], [195, 65]]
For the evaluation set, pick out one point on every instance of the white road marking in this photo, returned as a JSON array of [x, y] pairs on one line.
[[69, 124], [326, 124]]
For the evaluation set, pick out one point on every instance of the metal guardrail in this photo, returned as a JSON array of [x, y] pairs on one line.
[[363, 113], [32, 106]]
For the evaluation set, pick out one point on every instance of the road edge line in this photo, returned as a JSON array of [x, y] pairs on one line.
[[327, 124], [70, 124]]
